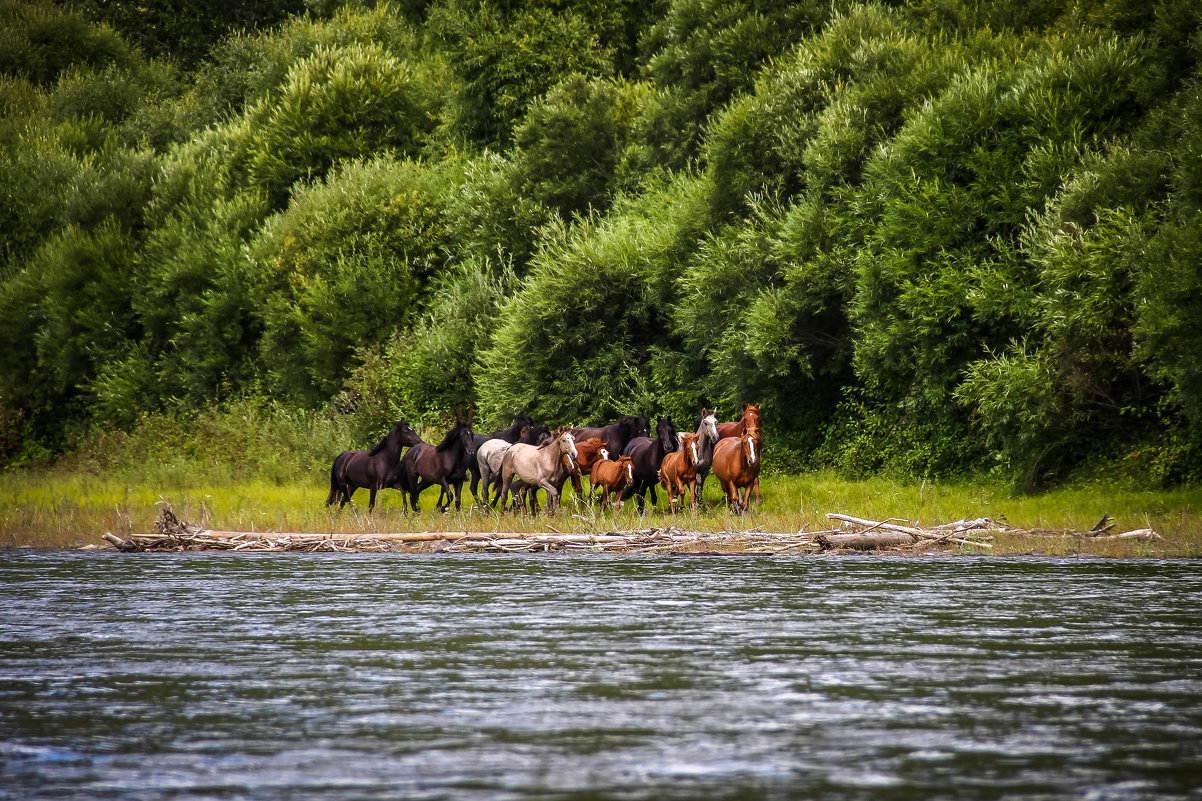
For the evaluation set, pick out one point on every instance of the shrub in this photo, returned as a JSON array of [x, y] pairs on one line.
[[567, 147], [339, 103], [504, 58], [341, 268], [430, 369]]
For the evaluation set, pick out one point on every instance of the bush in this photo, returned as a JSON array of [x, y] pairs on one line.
[[40, 40], [503, 59], [341, 268], [339, 103], [567, 147], [574, 340], [430, 369]]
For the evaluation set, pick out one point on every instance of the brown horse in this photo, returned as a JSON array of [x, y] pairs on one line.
[[588, 453], [679, 471], [612, 477], [443, 465], [737, 466], [750, 421]]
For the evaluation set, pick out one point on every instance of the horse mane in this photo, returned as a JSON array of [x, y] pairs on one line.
[[449, 440], [555, 436], [381, 445]]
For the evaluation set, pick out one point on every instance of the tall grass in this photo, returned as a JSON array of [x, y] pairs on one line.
[[69, 509]]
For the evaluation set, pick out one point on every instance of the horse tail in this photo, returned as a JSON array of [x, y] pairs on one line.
[[335, 490]]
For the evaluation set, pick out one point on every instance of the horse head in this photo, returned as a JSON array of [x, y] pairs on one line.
[[567, 445], [751, 417], [407, 434], [536, 435], [460, 436], [400, 435], [665, 432], [626, 465], [641, 427], [688, 446], [707, 426], [750, 445], [467, 440]]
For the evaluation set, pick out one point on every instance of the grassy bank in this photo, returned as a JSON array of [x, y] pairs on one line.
[[59, 510]]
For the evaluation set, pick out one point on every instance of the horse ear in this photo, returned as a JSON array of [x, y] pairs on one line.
[[471, 414]]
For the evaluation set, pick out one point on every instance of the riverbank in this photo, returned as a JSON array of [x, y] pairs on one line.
[[59, 510]]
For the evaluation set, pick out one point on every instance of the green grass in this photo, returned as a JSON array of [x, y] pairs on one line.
[[56, 509]]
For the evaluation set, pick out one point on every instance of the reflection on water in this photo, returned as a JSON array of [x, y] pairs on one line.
[[360, 677]]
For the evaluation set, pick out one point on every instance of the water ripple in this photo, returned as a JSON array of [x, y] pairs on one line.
[[212, 676]]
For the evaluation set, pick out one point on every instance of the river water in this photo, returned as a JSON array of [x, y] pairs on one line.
[[222, 676]]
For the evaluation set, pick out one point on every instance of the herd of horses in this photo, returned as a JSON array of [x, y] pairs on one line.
[[621, 460]]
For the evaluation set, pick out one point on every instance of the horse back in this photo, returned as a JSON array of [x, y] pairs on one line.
[[734, 429], [729, 464]]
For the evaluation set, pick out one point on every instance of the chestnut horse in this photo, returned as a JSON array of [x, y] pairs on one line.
[[374, 470], [588, 453], [679, 470], [737, 466], [750, 421], [612, 477]]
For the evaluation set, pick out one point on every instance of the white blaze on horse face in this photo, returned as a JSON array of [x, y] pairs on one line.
[[693, 446], [629, 473], [571, 447], [605, 454], [751, 444]]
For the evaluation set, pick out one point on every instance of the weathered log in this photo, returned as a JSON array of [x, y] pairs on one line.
[[873, 541], [118, 543], [882, 525], [1141, 534]]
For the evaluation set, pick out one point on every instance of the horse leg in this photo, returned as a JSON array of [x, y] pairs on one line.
[[758, 498], [474, 469], [552, 496], [371, 501], [420, 485], [444, 490], [493, 488]]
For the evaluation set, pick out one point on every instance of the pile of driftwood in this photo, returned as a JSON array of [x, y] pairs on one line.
[[172, 534], [854, 534], [871, 535]]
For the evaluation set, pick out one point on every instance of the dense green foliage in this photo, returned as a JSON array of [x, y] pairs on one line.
[[928, 237]]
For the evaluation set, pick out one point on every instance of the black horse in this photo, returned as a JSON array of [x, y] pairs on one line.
[[647, 454], [510, 435], [445, 464], [616, 435], [375, 469]]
